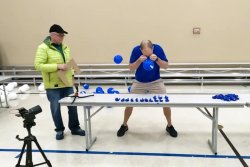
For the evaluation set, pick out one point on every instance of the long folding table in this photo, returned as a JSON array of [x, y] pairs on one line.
[[203, 102]]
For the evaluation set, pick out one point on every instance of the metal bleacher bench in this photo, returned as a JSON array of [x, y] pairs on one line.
[[177, 73]]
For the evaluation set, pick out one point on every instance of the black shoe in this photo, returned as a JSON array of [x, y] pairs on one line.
[[122, 131], [79, 132], [171, 131], [59, 135]]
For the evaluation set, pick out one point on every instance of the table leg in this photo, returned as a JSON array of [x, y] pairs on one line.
[[5, 96], [88, 132], [213, 144]]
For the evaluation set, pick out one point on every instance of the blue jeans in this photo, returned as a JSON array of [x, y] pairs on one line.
[[54, 95]]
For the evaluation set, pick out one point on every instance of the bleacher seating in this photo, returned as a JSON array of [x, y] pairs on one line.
[[177, 73]]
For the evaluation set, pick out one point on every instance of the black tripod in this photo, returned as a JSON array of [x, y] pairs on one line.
[[28, 142]]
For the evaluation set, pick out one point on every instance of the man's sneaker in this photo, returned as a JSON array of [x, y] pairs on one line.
[[59, 135], [122, 130], [79, 132], [171, 131]]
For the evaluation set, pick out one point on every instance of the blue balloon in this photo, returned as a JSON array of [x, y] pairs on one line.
[[148, 65], [110, 90], [99, 90], [118, 59], [116, 92], [86, 86], [129, 89], [227, 97]]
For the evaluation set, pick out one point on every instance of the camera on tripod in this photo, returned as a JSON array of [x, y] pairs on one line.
[[29, 115]]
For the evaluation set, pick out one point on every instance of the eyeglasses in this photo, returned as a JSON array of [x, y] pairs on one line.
[[59, 34]]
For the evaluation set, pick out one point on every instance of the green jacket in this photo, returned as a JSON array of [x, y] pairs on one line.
[[46, 60]]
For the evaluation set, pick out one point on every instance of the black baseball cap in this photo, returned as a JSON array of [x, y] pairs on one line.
[[57, 28]]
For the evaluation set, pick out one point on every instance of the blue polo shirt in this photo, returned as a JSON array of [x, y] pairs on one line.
[[143, 75]]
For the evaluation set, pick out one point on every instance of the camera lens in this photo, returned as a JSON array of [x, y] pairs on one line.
[[35, 110]]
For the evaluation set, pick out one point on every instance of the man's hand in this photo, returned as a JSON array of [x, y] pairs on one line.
[[153, 57], [62, 67], [142, 58], [136, 64]]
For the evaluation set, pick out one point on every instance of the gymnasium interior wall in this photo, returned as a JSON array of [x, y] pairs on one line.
[[100, 29]]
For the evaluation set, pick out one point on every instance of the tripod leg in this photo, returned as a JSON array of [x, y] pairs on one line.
[[21, 155], [41, 151], [29, 162]]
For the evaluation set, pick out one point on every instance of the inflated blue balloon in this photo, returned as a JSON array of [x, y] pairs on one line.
[[99, 90], [148, 65], [118, 59], [110, 90], [86, 86]]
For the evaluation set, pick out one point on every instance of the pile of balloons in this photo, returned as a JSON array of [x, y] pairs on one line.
[[154, 99], [226, 97], [10, 86], [8, 95]]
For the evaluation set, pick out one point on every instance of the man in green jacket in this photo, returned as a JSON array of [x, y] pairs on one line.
[[51, 56]]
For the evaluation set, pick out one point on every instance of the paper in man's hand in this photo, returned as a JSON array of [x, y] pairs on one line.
[[62, 74]]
